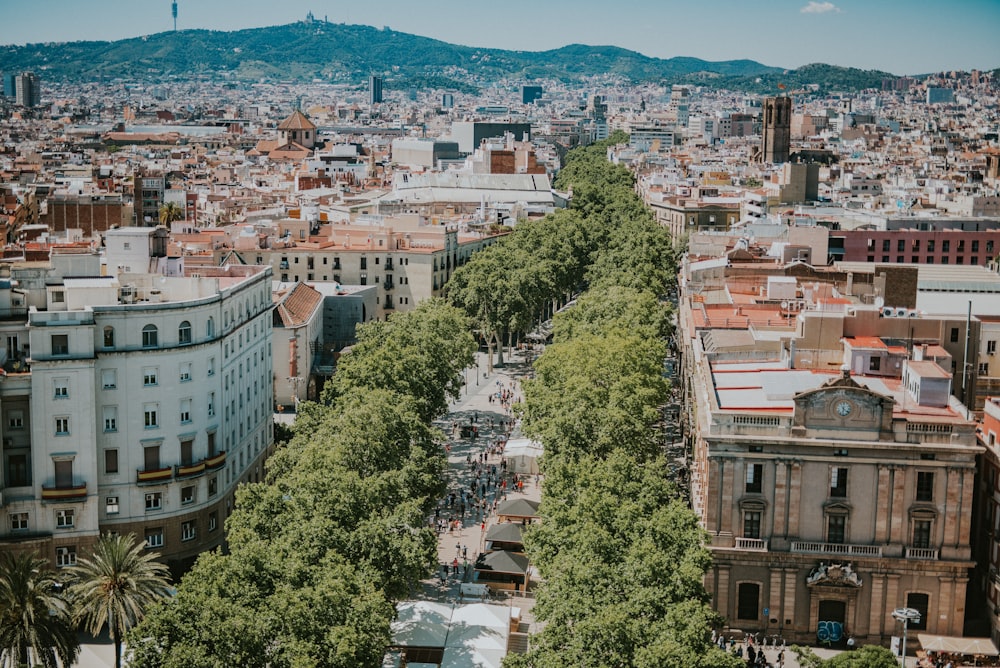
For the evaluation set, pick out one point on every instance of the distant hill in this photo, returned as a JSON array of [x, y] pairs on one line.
[[348, 53]]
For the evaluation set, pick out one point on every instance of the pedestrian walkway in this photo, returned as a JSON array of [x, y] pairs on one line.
[[476, 427]]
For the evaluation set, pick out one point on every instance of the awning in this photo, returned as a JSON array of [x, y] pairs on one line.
[[953, 645]]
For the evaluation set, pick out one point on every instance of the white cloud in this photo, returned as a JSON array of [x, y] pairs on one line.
[[820, 8]]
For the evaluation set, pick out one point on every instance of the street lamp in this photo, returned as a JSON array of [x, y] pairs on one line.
[[906, 615]]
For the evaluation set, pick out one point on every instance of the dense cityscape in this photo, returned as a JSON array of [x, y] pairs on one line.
[[470, 368]]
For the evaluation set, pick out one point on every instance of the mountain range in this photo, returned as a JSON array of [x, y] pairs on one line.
[[342, 53]]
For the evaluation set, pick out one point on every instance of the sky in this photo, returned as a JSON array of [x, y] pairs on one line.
[[897, 36]]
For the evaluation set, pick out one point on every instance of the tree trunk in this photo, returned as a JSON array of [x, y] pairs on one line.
[[489, 354], [118, 649], [499, 341]]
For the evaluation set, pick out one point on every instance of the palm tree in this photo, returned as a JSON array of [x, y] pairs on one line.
[[170, 212], [115, 586], [36, 627]]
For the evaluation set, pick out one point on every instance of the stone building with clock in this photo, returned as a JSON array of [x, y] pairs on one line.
[[831, 498]]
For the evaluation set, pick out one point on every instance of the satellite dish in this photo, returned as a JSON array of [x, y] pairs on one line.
[[784, 305]]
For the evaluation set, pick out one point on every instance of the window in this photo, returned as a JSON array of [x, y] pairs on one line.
[[838, 482], [58, 296], [154, 500], [185, 410], [211, 366], [930, 246], [925, 486], [111, 460], [918, 602], [885, 245], [755, 475], [945, 246], [187, 494], [954, 334], [991, 347], [922, 533], [17, 471], [984, 368], [151, 458], [836, 529], [64, 473], [61, 388], [213, 486], [150, 336], [15, 420], [111, 505], [109, 379], [19, 521], [65, 518], [149, 412], [748, 600], [211, 444], [109, 337], [110, 418], [60, 344], [66, 556], [62, 426], [901, 245], [975, 246], [187, 530], [210, 328], [149, 376], [154, 538], [751, 524], [213, 521], [184, 332], [874, 363], [185, 372], [211, 404]]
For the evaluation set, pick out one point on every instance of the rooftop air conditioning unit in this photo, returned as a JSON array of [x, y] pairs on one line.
[[888, 312], [901, 313]]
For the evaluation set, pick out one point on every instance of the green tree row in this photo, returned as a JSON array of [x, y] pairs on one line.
[[320, 552], [622, 558]]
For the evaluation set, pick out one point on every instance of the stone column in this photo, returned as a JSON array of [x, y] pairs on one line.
[[952, 506], [794, 499], [876, 612], [726, 496], [958, 609], [774, 599], [722, 591], [712, 507], [942, 615], [965, 511], [882, 506], [897, 517], [780, 526], [891, 603], [788, 610]]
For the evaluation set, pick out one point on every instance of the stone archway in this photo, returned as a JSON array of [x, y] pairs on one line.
[[833, 601]]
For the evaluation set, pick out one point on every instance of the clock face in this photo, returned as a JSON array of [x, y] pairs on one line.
[[844, 408]]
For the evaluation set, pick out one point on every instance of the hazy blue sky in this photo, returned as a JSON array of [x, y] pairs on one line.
[[899, 36]]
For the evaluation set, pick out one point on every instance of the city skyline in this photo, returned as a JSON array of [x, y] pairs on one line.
[[897, 37]]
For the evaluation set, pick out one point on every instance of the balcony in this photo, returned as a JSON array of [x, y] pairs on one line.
[[838, 549], [215, 462], [71, 493], [388, 306], [388, 285], [388, 265], [921, 553], [751, 544], [154, 475], [190, 470]]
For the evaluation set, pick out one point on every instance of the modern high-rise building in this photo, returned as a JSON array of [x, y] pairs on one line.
[[28, 89], [374, 89], [776, 133], [530, 93], [9, 85]]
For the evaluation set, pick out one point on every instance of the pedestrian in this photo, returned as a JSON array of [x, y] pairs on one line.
[[458, 549], [454, 566], [482, 526], [465, 551]]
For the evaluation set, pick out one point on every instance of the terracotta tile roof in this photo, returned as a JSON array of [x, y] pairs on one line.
[[297, 121], [297, 306]]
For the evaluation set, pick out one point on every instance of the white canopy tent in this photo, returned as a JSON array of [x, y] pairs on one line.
[[954, 645], [522, 455]]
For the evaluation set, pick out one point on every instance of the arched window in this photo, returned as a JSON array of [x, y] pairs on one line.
[[109, 337], [150, 336], [184, 332], [210, 327]]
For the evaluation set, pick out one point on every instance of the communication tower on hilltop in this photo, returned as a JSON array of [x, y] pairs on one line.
[[173, 12]]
